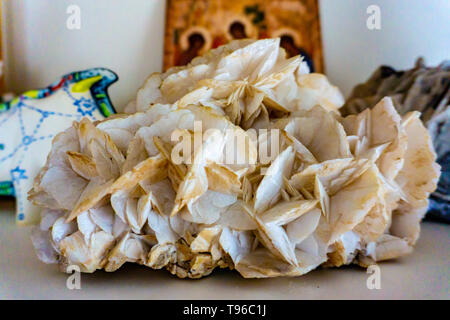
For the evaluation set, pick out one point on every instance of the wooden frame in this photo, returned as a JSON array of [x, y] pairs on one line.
[[2, 63]]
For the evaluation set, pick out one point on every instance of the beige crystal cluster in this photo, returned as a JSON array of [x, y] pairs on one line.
[[304, 187]]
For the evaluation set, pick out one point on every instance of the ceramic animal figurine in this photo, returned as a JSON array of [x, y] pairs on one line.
[[29, 122]]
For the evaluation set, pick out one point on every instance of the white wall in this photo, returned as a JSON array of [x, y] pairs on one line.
[[409, 28], [123, 35], [127, 37]]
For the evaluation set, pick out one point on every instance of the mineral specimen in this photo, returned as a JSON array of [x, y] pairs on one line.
[[239, 160]]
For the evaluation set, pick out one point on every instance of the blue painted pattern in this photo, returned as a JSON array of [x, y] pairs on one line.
[[20, 111]]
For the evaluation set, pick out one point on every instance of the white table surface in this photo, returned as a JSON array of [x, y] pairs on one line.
[[422, 275]]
